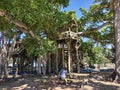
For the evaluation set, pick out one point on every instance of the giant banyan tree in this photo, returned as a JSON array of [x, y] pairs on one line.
[[68, 54]]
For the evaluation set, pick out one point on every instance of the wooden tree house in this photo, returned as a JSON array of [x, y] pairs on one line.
[[67, 51]]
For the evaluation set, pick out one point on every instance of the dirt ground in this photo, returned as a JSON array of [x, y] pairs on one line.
[[51, 83]]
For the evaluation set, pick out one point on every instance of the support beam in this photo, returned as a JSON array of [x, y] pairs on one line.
[[69, 57]]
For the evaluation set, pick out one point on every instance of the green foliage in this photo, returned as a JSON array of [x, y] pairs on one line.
[[49, 46], [65, 3], [98, 15], [95, 54], [31, 45], [39, 16], [34, 48]]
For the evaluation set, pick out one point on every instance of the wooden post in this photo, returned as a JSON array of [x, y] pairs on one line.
[[69, 57], [78, 66], [57, 60], [63, 55], [77, 57]]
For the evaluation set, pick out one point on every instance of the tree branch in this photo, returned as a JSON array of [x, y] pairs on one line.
[[98, 40], [94, 30], [18, 24], [9, 19]]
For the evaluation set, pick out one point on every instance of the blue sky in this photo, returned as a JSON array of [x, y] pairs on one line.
[[77, 4]]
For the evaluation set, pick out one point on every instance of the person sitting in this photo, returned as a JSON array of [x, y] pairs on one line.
[[62, 75]]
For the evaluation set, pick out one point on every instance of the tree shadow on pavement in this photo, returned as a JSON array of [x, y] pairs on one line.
[[51, 83]]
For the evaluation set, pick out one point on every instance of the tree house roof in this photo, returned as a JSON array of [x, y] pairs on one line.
[[68, 35]]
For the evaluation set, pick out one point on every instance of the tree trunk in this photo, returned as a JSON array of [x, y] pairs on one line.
[[3, 57], [5, 54], [56, 61], [117, 39]]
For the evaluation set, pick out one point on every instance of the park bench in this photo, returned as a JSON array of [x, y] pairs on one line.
[[78, 77]]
